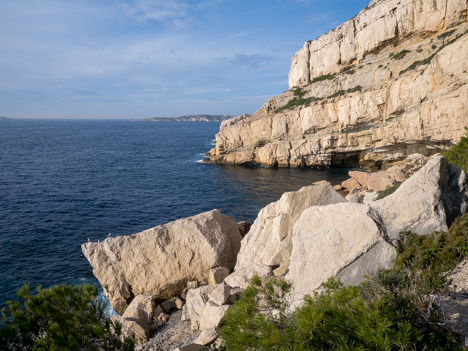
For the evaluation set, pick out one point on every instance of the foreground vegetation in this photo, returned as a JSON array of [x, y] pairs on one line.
[[60, 318], [458, 154], [395, 310]]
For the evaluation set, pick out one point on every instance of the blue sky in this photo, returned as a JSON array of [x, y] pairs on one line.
[[146, 58]]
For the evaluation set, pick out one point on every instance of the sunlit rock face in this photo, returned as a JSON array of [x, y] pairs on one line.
[[387, 84]]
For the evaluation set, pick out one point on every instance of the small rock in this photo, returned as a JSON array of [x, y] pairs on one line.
[[157, 311], [361, 177], [213, 315], [179, 303], [207, 336], [217, 275], [140, 310], [163, 317], [220, 294], [380, 181], [193, 284], [169, 305], [241, 278]]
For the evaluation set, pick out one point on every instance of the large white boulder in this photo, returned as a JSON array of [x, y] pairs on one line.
[[269, 239], [428, 201], [346, 240], [159, 262]]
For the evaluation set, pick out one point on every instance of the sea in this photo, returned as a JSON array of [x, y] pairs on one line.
[[64, 182]]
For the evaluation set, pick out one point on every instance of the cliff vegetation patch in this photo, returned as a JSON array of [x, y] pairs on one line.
[[458, 154], [428, 59], [399, 55]]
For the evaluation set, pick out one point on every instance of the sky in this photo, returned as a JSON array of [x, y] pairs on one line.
[[148, 58]]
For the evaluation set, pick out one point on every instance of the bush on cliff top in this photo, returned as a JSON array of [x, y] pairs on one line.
[[458, 154], [60, 318], [393, 311]]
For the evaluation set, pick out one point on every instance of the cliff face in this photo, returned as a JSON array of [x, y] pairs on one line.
[[389, 83]]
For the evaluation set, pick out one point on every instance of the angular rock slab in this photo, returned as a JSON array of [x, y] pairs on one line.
[[428, 201], [160, 261], [241, 278], [346, 240], [269, 239]]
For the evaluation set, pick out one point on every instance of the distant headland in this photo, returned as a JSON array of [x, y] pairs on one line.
[[188, 118]]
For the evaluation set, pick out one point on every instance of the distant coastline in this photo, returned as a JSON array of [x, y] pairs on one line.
[[188, 118], [4, 117]]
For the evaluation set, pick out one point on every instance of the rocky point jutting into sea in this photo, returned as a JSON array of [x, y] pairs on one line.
[[387, 84]]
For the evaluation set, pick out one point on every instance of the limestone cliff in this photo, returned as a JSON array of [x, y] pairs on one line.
[[389, 83]]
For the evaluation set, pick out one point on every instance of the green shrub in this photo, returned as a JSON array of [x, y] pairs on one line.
[[393, 311], [298, 92], [60, 318], [424, 259], [343, 92], [365, 317], [446, 34], [458, 154], [324, 77], [295, 101], [399, 55]]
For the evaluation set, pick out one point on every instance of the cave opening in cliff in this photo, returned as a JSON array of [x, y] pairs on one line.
[[345, 159]]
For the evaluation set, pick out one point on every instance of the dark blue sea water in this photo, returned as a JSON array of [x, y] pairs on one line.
[[62, 182]]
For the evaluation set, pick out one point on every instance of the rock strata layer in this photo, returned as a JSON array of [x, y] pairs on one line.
[[159, 262], [387, 84]]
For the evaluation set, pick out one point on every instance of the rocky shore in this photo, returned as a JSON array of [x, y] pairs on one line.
[[389, 84], [173, 284]]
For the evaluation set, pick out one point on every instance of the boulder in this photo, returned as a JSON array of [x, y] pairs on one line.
[[269, 239], [346, 240], [361, 177], [161, 260], [171, 304], [220, 295], [195, 304], [213, 315], [241, 278], [428, 201], [141, 311], [379, 181], [207, 336]]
